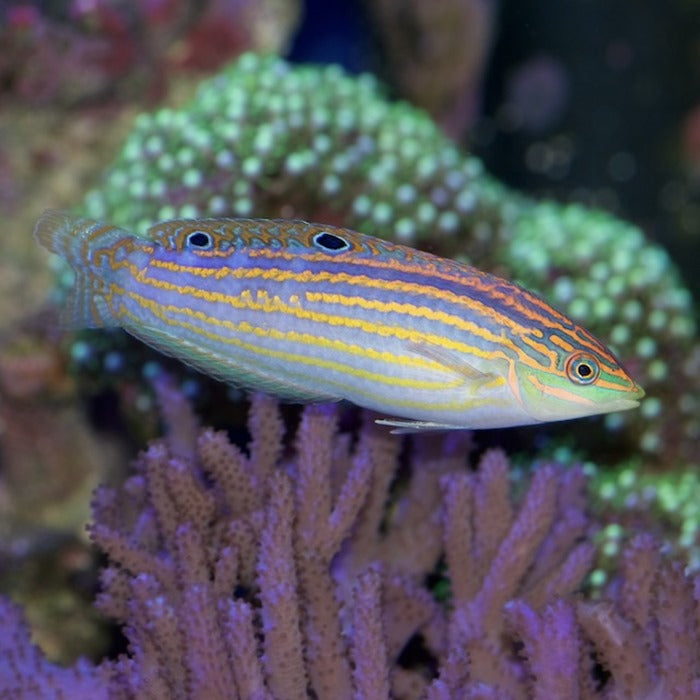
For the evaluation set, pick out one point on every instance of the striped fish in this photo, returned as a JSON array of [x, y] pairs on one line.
[[309, 312]]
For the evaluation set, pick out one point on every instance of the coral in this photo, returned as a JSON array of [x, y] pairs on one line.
[[87, 51], [631, 500], [25, 673], [264, 138], [264, 573]]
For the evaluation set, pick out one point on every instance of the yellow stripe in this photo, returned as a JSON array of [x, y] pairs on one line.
[[275, 304], [305, 277], [523, 333], [245, 327], [344, 389], [427, 313]]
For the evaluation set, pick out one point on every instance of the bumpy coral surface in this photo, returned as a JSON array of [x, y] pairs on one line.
[[264, 138]]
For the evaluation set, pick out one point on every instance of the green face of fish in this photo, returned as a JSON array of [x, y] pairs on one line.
[[309, 312], [584, 383]]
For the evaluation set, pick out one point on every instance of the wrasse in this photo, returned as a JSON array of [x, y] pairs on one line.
[[309, 312]]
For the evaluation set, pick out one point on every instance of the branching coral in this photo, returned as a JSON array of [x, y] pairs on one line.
[[260, 574], [264, 138]]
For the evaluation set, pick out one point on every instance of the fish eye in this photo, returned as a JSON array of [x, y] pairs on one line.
[[329, 241], [582, 368], [200, 240]]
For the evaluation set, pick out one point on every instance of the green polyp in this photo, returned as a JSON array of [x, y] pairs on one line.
[[188, 211], [426, 213], [406, 193], [578, 308], [322, 143], [405, 230], [185, 156], [657, 370], [163, 118], [603, 308], [225, 158], [448, 222], [157, 188], [217, 206], [142, 226], [230, 133], [331, 184], [166, 163], [426, 167], [466, 201], [154, 145], [632, 310], [610, 548], [563, 289], [264, 139], [382, 213], [362, 205], [682, 327], [243, 207], [614, 421], [251, 166], [345, 119], [167, 212], [598, 578], [607, 491], [615, 286], [620, 334], [409, 149], [137, 189], [650, 441], [192, 178], [646, 347], [627, 478], [295, 163]]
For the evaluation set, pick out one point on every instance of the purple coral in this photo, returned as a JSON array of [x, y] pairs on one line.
[[256, 574]]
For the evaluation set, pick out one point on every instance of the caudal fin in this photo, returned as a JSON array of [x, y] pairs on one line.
[[54, 230], [64, 234]]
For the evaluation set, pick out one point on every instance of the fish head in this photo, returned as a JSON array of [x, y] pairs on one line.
[[585, 381]]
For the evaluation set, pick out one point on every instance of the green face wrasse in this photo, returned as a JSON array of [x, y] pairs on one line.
[[309, 312]]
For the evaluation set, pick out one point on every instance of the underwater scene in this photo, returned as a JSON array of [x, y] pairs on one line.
[[349, 350]]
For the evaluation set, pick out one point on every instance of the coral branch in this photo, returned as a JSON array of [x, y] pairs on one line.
[[369, 653], [279, 605]]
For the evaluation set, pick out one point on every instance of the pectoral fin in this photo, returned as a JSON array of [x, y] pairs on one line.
[[454, 362]]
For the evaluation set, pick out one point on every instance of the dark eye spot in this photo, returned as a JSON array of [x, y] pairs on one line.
[[329, 241], [582, 368], [199, 239], [584, 371]]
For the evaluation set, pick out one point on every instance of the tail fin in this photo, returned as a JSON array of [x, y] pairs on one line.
[[54, 229], [64, 234]]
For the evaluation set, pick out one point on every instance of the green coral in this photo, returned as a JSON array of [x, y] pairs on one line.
[[265, 138], [666, 504]]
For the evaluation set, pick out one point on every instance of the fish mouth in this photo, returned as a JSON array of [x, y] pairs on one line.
[[624, 404]]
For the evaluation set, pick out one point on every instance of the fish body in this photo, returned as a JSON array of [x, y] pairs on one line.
[[310, 312]]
